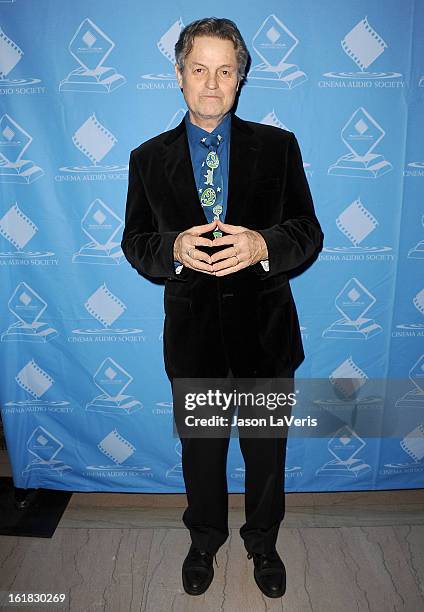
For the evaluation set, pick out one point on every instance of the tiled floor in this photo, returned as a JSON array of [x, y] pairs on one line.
[[343, 552]]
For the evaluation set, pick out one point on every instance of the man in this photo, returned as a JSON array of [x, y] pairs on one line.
[[220, 208]]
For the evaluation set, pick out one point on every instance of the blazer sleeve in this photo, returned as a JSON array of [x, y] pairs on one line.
[[298, 237], [149, 251]]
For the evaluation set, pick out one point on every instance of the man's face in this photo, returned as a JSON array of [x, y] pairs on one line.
[[209, 80]]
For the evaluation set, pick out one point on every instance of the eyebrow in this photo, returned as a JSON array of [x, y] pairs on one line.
[[203, 65]]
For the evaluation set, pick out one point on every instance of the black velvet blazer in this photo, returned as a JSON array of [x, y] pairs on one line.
[[247, 320]]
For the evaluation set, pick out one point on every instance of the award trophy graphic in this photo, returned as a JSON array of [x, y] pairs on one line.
[[417, 252], [119, 449], [166, 45], [273, 43], [36, 382], [414, 397], [106, 308], [363, 45], [45, 447], [91, 47], [347, 379], [10, 56], [94, 141], [344, 446], [112, 380], [27, 306], [177, 470], [353, 302], [418, 301], [416, 164], [14, 141], [101, 225], [272, 119], [361, 135], [356, 223], [413, 445], [18, 229], [175, 120]]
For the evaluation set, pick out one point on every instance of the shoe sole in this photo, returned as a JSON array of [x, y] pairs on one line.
[[195, 592], [271, 594]]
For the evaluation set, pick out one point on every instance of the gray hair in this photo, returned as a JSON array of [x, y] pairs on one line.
[[214, 27]]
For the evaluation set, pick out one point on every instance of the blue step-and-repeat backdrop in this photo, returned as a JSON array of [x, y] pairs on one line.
[[85, 401]]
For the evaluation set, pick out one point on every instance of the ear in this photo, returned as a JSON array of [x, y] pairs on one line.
[[179, 76]]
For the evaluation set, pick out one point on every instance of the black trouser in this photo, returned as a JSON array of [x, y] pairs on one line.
[[204, 462]]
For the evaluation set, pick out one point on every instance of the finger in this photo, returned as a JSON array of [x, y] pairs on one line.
[[200, 266], [202, 229], [230, 229], [225, 240], [190, 242], [228, 263], [227, 271], [224, 254], [197, 255]]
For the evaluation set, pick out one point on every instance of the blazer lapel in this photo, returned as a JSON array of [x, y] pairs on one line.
[[243, 159], [179, 174]]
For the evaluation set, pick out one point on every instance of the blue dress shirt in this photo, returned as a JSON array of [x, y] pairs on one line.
[[198, 154]]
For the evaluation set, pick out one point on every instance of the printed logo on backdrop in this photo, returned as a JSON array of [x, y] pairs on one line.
[[353, 302], [106, 308], [363, 46], [421, 82], [413, 446], [94, 141], [166, 45], [10, 56], [414, 168], [27, 307], [344, 446], [117, 448], [44, 448], [14, 141], [175, 120], [417, 251], [349, 388], [163, 408], [361, 135], [356, 223], [101, 225], [290, 471], [18, 229], [90, 47], [39, 385], [176, 471], [273, 43], [113, 380], [272, 120], [412, 328], [415, 396]]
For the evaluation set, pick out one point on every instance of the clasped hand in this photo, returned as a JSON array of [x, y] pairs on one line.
[[245, 247]]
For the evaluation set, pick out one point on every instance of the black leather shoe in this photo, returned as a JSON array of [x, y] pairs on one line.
[[197, 571], [269, 573]]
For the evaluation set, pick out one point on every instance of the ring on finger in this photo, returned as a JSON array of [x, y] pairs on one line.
[[189, 251], [238, 261]]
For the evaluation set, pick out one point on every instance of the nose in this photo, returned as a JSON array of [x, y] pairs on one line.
[[211, 82]]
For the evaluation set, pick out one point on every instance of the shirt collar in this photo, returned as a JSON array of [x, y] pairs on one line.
[[195, 133]]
